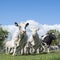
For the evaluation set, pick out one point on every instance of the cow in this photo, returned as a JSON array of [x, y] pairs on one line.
[[13, 43], [23, 36], [34, 42], [47, 41], [19, 38]]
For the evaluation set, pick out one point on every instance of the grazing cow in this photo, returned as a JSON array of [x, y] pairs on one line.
[[34, 40], [19, 38], [48, 40]]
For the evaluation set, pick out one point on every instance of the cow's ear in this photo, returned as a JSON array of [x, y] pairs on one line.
[[16, 23], [27, 24]]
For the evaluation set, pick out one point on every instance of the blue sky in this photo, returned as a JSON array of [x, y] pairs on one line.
[[42, 11]]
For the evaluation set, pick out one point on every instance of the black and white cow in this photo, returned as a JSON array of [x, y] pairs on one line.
[[47, 41]]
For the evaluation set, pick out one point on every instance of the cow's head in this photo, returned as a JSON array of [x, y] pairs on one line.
[[22, 26], [52, 36], [34, 30]]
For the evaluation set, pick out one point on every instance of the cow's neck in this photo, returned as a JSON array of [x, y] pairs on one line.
[[36, 38]]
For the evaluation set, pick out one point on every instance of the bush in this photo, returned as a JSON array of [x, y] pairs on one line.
[[3, 35]]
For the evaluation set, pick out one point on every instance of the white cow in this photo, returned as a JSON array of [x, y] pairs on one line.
[[34, 40], [19, 38], [23, 36], [13, 43]]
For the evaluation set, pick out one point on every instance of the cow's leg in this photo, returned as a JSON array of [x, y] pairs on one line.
[[44, 48], [41, 49], [35, 50], [17, 50], [14, 52], [48, 50], [6, 50], [27, 50], [11, 50], [22, 51], [48, 47]]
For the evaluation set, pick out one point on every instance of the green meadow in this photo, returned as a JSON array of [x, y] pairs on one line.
[[41, 56]]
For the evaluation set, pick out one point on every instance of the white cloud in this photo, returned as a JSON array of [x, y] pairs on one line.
[[43, 28], [11, 29]]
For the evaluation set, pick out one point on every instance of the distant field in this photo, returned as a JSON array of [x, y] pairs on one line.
[[50, 56]]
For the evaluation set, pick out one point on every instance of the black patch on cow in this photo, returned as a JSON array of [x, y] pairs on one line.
[[48, 39]]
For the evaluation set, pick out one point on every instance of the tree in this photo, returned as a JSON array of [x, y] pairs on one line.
[[3, 35], [54, 31]]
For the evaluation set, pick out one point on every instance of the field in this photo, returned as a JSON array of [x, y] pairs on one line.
[[51, 56]]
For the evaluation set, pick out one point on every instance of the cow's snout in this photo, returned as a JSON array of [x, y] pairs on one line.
[[24, 31]]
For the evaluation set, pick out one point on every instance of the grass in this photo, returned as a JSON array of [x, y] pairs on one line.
[[50, 56]]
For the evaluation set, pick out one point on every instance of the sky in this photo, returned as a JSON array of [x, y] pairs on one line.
[[42, 11]]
